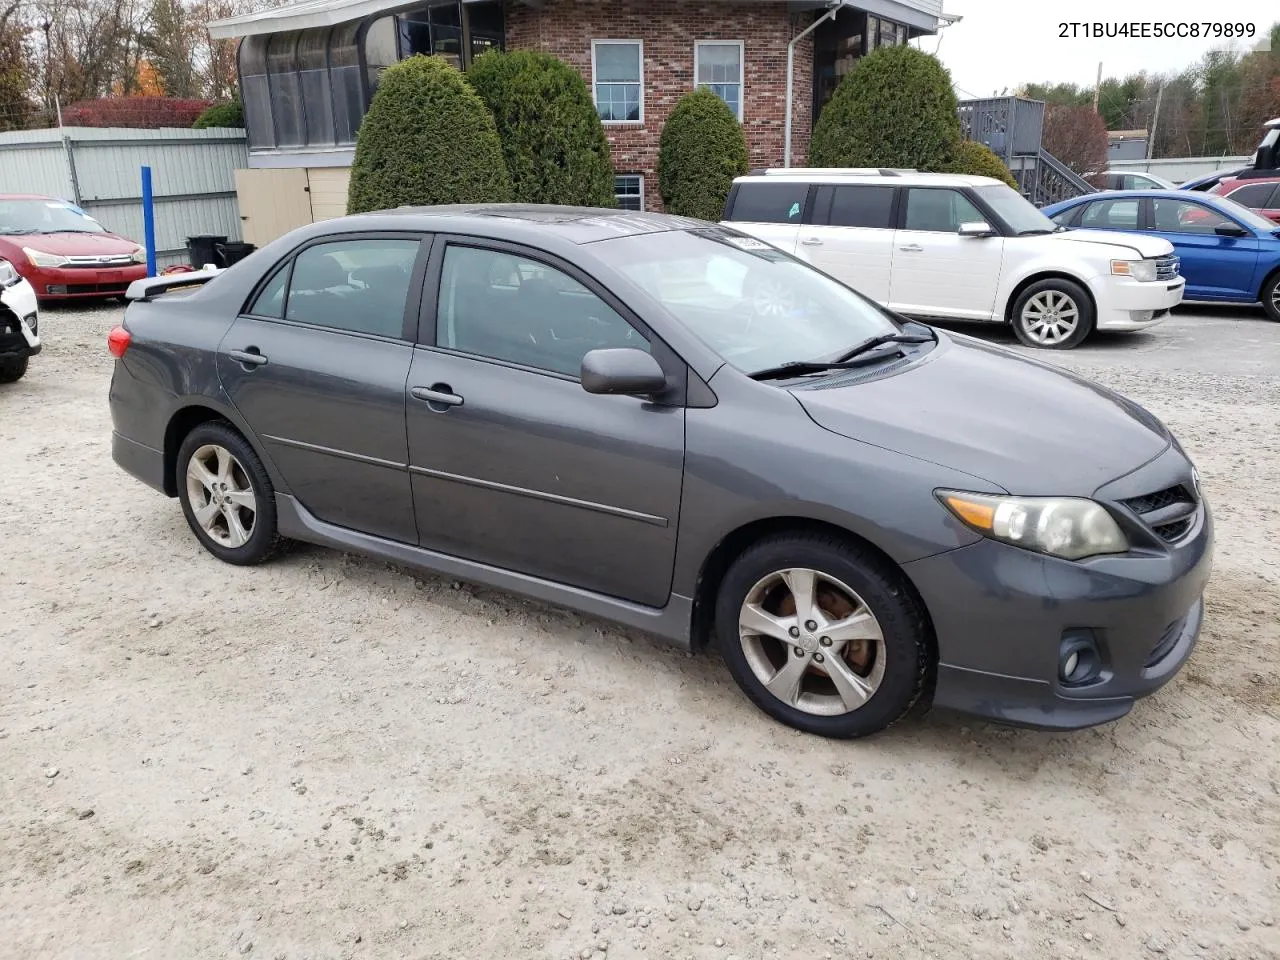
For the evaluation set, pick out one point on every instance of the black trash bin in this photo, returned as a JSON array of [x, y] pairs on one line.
[[203, 249], [233, 252]]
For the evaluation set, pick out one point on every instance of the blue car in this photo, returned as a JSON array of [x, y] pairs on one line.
[[1229, 253]]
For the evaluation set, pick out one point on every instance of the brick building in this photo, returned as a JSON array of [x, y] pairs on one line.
[[308, 71]]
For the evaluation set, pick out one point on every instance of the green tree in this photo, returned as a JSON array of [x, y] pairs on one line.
[[427, 139], [552, 138], [895, 108], [701, 151], [230, 114], [168, 38], [1058, 94], [978, 160]]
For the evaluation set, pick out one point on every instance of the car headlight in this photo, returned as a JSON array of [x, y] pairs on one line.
[[1141, 270], [140, 255], [1065, 527], [41, 259], [8, 275]]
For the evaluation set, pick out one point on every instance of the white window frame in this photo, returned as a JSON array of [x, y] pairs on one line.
[[638, 176], [742, 70], [594, 83]]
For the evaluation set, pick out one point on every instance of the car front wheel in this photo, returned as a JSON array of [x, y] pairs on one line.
[[822, 636], [227, 496], [13, 370], [1271, 297], [1053, 314]]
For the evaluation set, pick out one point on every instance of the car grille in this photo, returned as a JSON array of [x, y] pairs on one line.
[[68, 289], [114, 260], [1168, 640], [1170, 513], [1159, 500], [1167, 268]]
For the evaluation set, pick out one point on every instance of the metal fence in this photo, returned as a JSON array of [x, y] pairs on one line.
[[1180, 169], [99, 170]]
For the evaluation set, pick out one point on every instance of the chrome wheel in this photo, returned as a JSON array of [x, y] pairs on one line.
[[1275, 298], [221, 496], [1050, 317], [812, 642]]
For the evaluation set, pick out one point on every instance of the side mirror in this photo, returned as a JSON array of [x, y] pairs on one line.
[[622, 370], [1230, 230], [976, 228]]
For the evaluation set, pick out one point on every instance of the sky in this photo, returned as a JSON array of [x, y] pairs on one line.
[[1005, 43]]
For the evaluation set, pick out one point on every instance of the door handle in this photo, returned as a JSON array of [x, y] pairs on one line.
[[250, 357], [912, 248], [440, 394], [811, 242]]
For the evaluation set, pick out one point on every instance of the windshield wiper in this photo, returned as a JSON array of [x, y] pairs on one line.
[[851, 359], [1039, 232]]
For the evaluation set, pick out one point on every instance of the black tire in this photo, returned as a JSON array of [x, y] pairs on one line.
[[263, 541], [1086, 314], [906, 649], [1271, 297], [13, 369]]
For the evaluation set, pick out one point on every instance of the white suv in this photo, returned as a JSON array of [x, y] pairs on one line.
[[937, 246]]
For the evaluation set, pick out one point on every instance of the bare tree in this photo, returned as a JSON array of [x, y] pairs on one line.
[[1077, 136]]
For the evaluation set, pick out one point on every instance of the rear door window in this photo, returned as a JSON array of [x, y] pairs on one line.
[[869, 207], [360, 286], [1111, 215], [769, 202]]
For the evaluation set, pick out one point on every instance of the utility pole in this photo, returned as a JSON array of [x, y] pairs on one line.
[[1097, 90], [1155, 123]]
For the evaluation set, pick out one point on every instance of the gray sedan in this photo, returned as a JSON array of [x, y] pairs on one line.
[[677, 427]]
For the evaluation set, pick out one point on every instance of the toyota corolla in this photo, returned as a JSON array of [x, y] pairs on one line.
[[678, 427]]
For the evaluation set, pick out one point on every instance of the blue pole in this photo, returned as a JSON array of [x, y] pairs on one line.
[[149, 221]]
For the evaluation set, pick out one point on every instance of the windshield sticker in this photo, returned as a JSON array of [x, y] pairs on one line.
[[748, 243], [794, 211]]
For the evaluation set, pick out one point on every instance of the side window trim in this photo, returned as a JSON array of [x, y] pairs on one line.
[[670, 361], [413, 298]]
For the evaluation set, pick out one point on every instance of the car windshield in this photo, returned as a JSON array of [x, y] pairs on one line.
[[1016, 210], [44, 216], [1249, 218], [753, 304]]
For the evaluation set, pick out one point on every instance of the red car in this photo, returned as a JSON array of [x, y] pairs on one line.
[[1261, 194], [65, 253]]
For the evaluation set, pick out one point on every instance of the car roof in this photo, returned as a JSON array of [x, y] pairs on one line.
[[879, 176], [1173, 194], [1245, 181], [514, 220], [25, 196]]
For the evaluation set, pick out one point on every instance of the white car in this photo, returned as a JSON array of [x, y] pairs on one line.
[[937, 246], [1130, 180], [19, 324]]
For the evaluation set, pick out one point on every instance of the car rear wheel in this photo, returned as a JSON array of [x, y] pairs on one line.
[[1053, 315], [1271, 297], [822, 636], [227, 496], [13, 369]]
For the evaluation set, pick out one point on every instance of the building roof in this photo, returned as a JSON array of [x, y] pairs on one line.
[[1127, 134], [921, 14]]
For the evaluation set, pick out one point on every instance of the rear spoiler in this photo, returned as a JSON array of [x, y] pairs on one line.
[[149, 288]]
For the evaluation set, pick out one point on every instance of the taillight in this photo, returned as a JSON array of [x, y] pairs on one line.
[[118, 341]]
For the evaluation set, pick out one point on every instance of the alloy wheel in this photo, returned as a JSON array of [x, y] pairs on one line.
[[812, 641], [1050, 317], [221, 496]]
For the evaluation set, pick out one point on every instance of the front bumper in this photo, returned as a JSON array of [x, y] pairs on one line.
[[1002, 614], [70, 283], [1127, 304], [19, 321]]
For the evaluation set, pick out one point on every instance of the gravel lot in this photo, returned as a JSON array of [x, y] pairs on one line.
[[329, 757]]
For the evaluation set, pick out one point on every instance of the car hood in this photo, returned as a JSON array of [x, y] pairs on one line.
[[1031, 428], [76, 244], [1144, 246]]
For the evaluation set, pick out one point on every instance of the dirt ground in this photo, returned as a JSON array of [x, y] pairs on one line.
[[332, 758]]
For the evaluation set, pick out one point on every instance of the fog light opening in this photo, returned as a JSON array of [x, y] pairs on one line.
[[1079, 660]]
